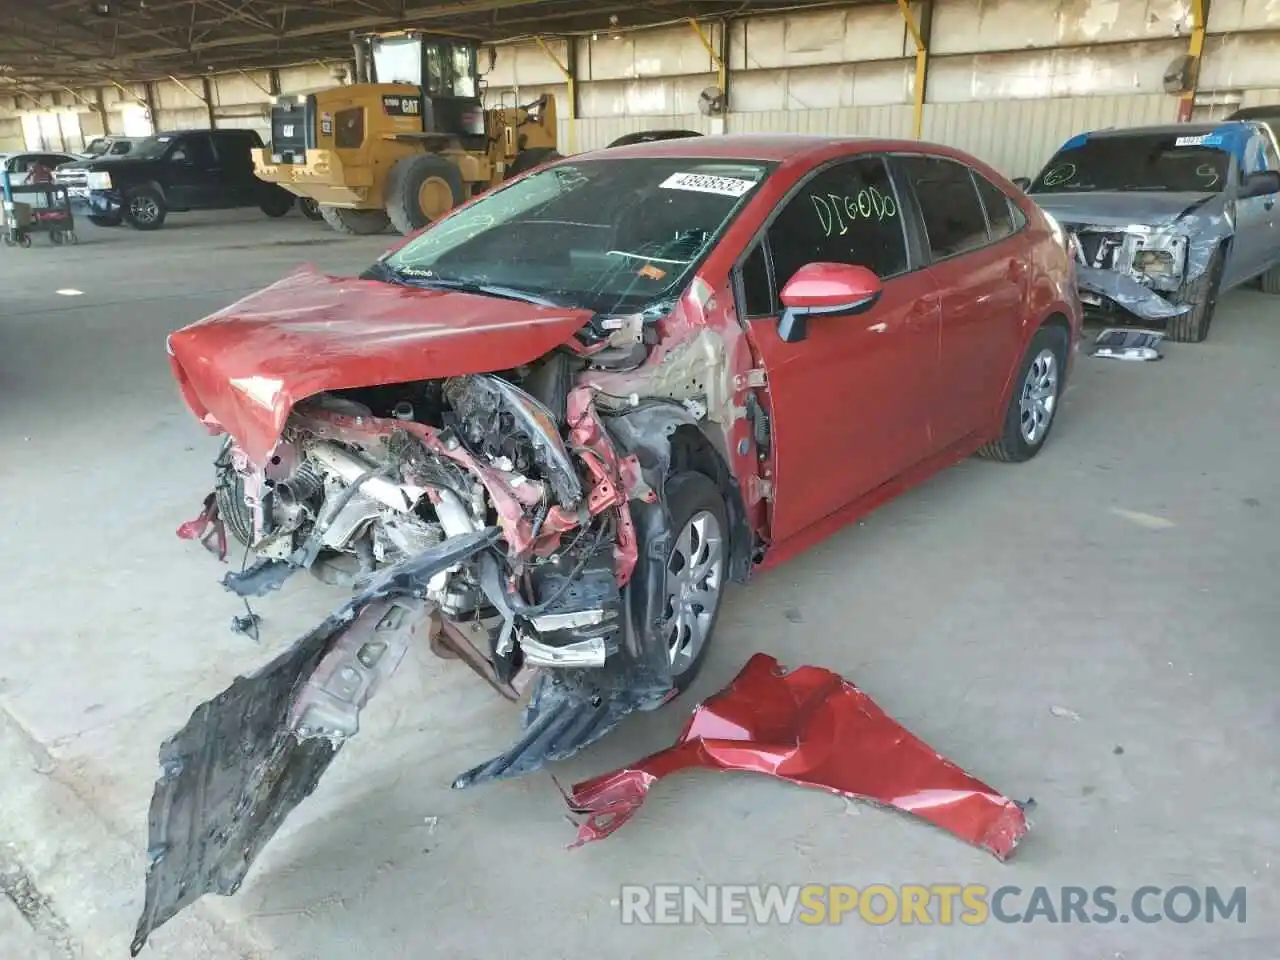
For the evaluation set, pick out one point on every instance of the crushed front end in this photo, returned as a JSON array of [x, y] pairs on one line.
[[1138, 269]]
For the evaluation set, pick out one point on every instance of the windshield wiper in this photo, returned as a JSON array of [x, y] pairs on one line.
[[383, 271]]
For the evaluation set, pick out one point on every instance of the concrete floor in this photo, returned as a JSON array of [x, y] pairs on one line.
[[1095, 629]]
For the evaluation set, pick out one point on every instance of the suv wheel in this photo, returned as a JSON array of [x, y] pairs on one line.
[[144, 208], [1271, 280], [1202, 295], [275, 202]]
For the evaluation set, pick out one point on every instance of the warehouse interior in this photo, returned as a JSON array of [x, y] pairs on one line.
[[1093, 632]]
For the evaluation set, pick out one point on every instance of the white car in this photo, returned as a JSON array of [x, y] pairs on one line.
[[18, 165]]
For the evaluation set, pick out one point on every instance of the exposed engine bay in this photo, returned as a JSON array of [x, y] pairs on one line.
[[365, 479]]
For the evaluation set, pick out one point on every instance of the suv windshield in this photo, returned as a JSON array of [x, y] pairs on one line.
[[1168, 161], [150, 148], [605, 235]]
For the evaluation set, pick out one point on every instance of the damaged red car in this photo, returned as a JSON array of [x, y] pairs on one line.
[[543, 434]]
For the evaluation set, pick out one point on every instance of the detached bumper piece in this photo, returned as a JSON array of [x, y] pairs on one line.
[[248, 757], [813, 728], [1099, 287]]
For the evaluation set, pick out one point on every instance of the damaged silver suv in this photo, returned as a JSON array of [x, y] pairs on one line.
[[1163, 220]]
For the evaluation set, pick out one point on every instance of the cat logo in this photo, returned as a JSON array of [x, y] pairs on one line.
[[286, 130]]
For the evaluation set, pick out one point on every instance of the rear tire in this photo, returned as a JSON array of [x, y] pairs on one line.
[[528, 159], [1202, 294], [421, 189], [1033, 404], [276, 202], [361, 223], [100, 221], [1271, 281]]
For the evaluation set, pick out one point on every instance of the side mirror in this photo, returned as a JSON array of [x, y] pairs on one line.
[[825, 289], [1022, 182], [1260, 184]]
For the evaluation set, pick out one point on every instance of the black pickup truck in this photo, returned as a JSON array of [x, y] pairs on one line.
[[173, 172]]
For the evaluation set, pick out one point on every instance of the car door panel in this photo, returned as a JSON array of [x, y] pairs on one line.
[[981, 286], [1251, 252], [850, 403], [188, 167]]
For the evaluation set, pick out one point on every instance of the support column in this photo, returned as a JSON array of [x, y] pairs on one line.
[[570, 71], [920, 37], [207, 86], [1195, 48], [718, 62]]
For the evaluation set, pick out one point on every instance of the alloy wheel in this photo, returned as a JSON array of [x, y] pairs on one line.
[[1039, 396], [695, 576]]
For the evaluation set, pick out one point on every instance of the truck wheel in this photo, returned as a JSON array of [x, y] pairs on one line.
[[1202, 294], [310, 208], [528, 159], [1036, 392], [144, 208], [697, 568], [421, 189], [100, 221], [356, 222], [1271, 281], [276, 202]]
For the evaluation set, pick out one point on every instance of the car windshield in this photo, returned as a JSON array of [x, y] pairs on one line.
[[96, 147], [150, 148], [605, 235], [1190, 163]]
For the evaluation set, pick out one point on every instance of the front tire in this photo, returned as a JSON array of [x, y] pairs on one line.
[[1034, 401], [360, 223], [100, 221], [1202, 294], [421, 189], [1271, 281], [144, 208], [697, 568]]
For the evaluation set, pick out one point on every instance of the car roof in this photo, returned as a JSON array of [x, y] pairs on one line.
[[1257, 113], [1171, 129], [755, 146]]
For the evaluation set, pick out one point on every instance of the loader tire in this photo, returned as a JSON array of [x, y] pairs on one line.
[[421, 189], [310, 209], [354, 222], [528, 159]]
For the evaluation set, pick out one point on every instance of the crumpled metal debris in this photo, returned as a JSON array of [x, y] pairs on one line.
[[813, 728]]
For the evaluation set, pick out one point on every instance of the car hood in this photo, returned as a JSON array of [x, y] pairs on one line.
[[1116, 209], [242, 369], [104, 163]]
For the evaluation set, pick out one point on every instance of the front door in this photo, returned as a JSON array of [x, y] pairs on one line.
[[981, 282], [851, 402], [191, 172], [1253, 249]]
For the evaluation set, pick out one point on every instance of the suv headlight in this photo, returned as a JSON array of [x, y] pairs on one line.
[[1154, 263], [98, 180]]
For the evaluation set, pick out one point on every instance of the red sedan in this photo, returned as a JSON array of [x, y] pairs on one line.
[[542, 434]]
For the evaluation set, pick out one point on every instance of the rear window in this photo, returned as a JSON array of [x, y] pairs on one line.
[[1180, 163]]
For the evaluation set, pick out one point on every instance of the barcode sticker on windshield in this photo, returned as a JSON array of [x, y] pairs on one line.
[[1190, 141], [705, 183]]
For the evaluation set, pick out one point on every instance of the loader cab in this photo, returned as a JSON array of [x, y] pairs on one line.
[[445, 71]]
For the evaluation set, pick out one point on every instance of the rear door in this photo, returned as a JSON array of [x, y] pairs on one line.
[[981, 280], [233, 150], [851, 402]]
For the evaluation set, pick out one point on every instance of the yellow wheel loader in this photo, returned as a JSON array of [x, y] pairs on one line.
[[407, 141]]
